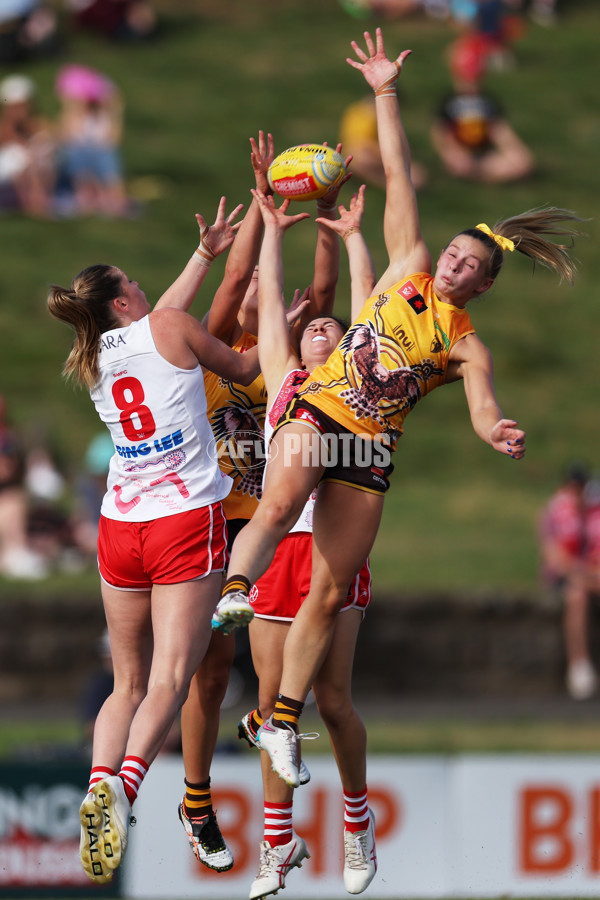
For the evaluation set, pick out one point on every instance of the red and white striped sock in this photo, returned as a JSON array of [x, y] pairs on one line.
[[97, 774], [133, 771], [356, 811], [278, 823]]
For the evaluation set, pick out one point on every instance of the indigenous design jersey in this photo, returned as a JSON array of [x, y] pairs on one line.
[[285, 394], [164, 460], [394, 353], [237, 416]]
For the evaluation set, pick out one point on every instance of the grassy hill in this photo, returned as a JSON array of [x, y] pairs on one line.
[[458, 515]]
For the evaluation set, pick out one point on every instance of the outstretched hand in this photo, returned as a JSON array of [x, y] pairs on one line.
[[219, 236], [376, 68], [300, 301], [329, 200], [263, 154], [276, 217], [507, 438], [349, 218]]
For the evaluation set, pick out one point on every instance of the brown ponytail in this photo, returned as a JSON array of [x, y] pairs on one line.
[[87, 308]]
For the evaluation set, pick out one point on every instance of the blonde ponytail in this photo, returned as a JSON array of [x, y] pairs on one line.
[[527, 232]]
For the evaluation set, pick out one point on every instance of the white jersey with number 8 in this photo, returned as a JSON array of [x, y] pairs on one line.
[[165, 459]]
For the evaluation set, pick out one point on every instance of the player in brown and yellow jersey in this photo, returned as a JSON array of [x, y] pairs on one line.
[[411, 336], [236, 414]]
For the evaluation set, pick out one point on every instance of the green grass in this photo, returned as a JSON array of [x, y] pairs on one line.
[[442, 735], [458, 515], [34, 738]]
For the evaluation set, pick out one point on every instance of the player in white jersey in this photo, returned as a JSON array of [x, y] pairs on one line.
[[237, 414], [162, 539], [278, 595]]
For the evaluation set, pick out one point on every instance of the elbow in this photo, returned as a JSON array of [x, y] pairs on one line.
[[237, 278], [247, 376]]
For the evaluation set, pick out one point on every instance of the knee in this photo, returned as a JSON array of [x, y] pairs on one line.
[[130, 691], [332, 599], [334, 705], [278, 513], [213, 687]]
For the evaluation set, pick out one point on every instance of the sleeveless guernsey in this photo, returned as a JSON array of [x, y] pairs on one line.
[[237, 415], [394, 353], [164, 461]]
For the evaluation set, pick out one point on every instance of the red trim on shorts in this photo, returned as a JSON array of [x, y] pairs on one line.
[[281, 591], [170, 550]]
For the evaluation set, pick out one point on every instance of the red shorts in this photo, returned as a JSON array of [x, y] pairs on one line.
[[132, 556], [282, 590]]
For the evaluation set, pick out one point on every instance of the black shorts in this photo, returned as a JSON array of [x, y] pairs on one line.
[[234, 526], [360, 461]]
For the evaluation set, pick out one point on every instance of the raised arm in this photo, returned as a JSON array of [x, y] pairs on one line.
[[472, 361], [406, 249], [276, 354], [214, 239], [327, 255], [362, 270], [185, 342], [222, 318]]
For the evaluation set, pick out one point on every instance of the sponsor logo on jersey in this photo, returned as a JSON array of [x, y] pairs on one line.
[[442, 334], [158, 445], [414, 299], [403, 338], [109, 342]]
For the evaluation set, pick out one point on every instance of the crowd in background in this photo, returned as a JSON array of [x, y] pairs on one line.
[[73, 166], [569, 537], [470, 130], [457, 12], [70, 167], [48, 520], [31, 29]]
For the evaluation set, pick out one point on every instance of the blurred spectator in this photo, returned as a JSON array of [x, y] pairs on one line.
[[97, 688], [17, 559], [27, 172], [592, 535], [90, 489], [358, 136], [543, 12], [562, 537], [396, 9], [470, 132], [115, 19], [89, 135], [28, 28], [494, 24], [50, 528]]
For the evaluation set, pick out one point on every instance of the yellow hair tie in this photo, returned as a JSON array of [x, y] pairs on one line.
[[503, 242]]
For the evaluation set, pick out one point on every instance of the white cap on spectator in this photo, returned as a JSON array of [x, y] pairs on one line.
[[16, 89]]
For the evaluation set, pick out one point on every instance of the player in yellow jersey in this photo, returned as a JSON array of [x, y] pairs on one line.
[[412, 335], [236, 414]]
